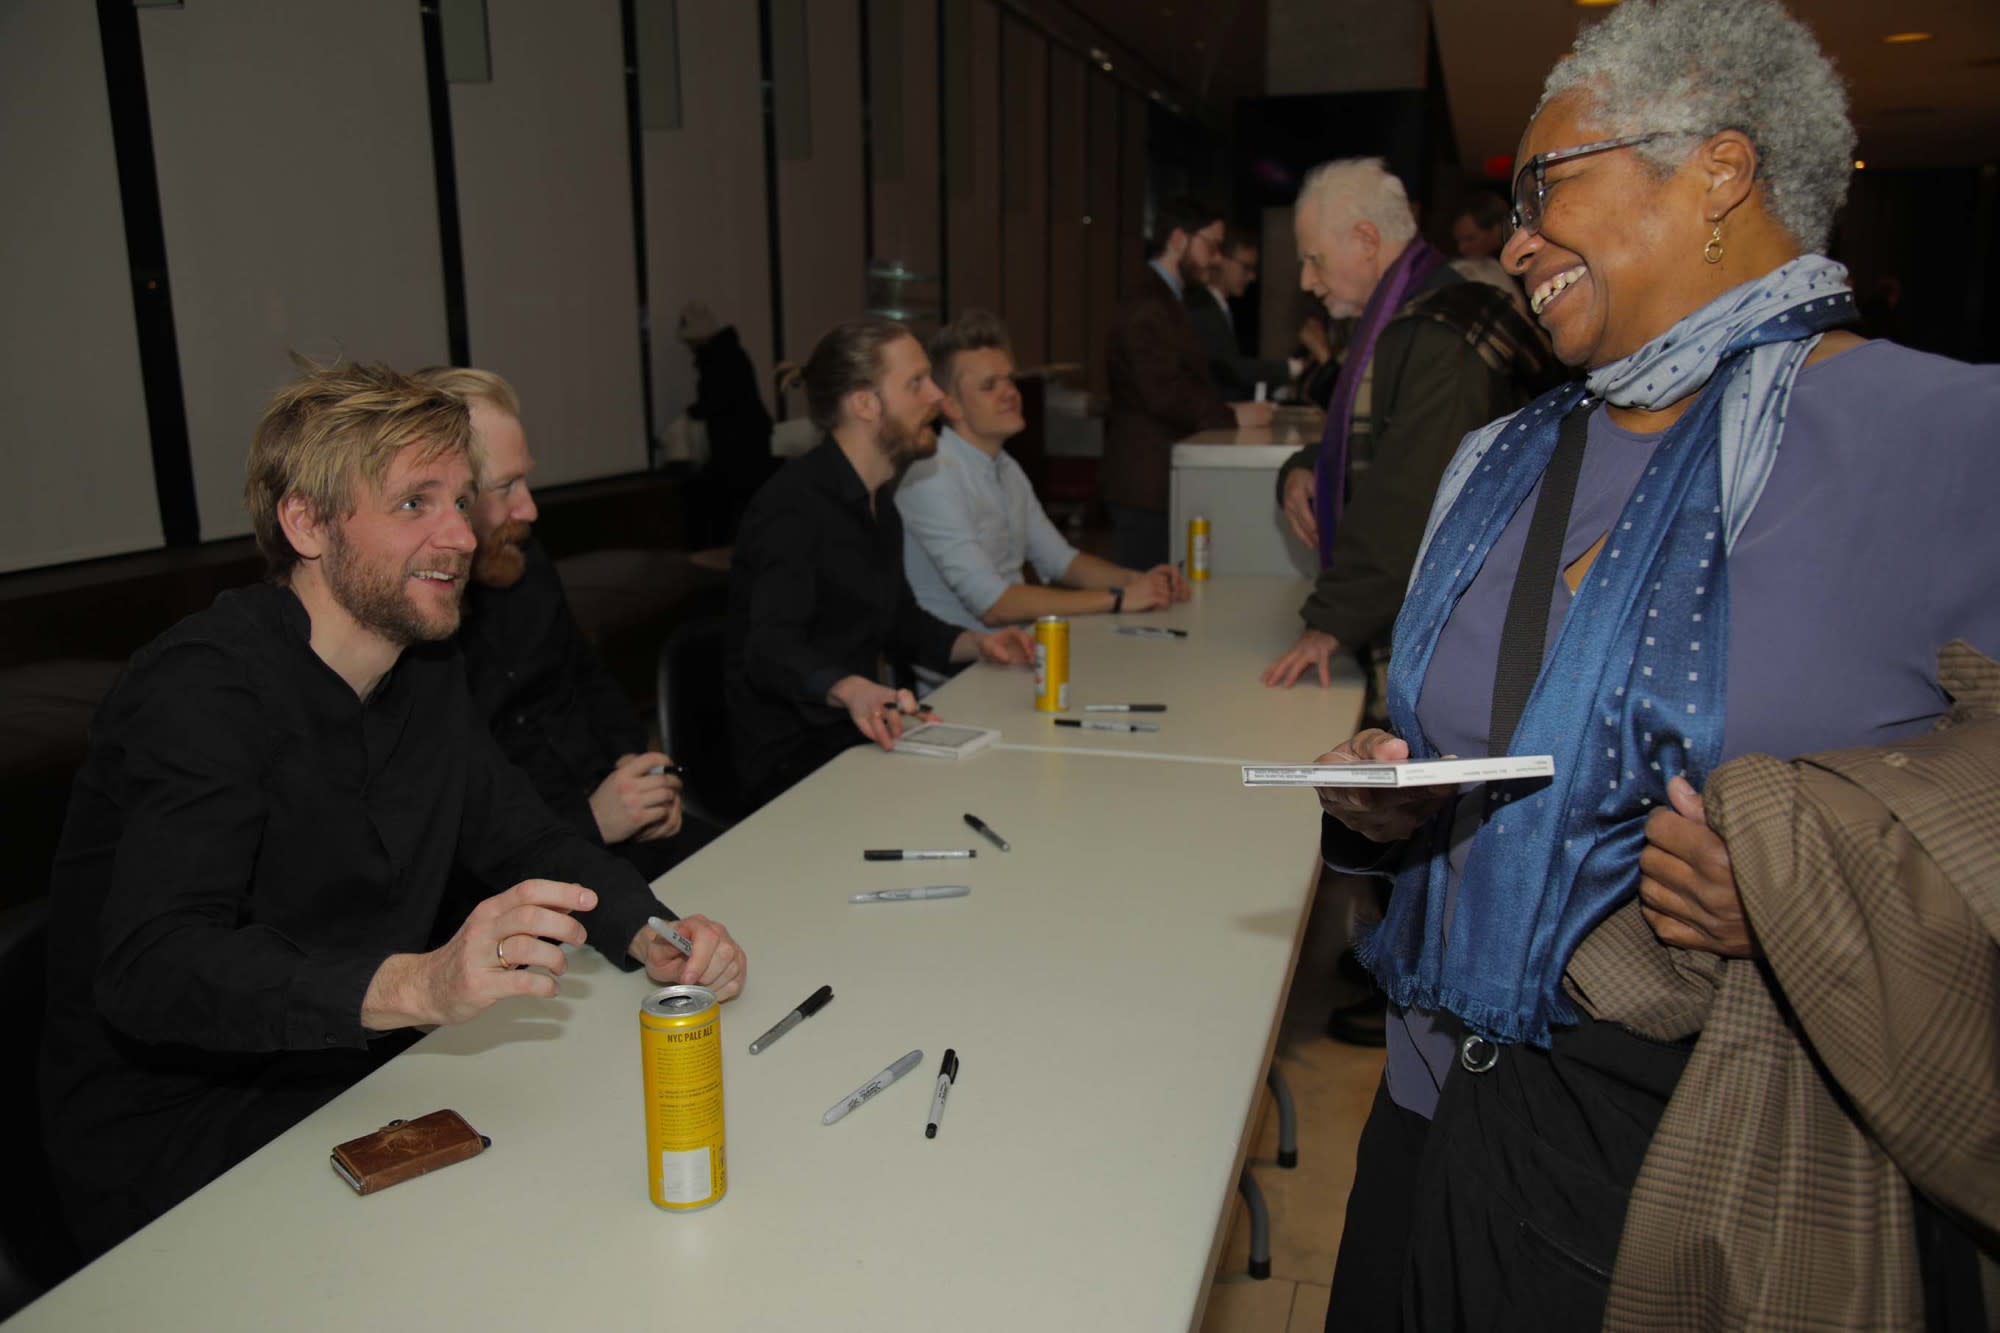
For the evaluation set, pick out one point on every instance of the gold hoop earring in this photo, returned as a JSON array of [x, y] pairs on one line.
[[1712, 252]]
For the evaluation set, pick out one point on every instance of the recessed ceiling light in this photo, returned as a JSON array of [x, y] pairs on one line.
[[1904, 38], [1859, 165]]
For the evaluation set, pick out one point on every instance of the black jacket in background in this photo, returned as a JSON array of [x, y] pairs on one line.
[[246, 843], [728, 402], [816, 593], [1236, 376]]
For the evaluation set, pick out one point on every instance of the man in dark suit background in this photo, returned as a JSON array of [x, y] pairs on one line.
[[1161, 392], [1236, 375]]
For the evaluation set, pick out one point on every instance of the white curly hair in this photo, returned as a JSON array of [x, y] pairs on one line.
[[1693, 68]]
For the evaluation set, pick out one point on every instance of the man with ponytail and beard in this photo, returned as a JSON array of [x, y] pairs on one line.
[[823, 627]]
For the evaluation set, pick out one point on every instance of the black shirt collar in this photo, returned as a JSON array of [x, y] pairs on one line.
[[834, 474]]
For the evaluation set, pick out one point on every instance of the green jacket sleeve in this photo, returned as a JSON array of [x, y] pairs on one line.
[[1430, 390]]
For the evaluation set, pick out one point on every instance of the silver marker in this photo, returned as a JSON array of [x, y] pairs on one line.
[[913, 895], [871, 1087], [665, 930]]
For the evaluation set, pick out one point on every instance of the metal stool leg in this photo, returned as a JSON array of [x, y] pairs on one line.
[[1260, 1225], [1288, 1119]]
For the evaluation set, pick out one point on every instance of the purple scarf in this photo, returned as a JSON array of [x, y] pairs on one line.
[[1418, 261]]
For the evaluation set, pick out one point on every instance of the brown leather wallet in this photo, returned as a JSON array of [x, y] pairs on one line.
[[405, 1149]]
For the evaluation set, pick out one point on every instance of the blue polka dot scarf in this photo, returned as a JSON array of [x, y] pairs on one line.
[[1632, 690]]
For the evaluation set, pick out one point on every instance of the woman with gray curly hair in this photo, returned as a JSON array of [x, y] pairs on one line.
[[1745, 530]]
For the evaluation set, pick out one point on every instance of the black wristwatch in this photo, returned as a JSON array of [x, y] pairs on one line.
[[1117, 600]]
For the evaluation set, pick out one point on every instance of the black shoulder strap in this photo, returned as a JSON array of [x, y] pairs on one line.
[[1526, 629]]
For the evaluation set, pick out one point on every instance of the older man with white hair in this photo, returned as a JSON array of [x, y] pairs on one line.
[[1433, 357]]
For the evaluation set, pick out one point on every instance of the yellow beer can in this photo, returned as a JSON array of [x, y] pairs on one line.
[[680, 1047], [1197, 559], [1052, 664]]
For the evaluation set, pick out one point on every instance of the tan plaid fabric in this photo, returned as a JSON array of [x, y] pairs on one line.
[[1862, 1056]]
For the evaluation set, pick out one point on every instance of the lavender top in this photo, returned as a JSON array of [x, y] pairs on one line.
[[1874, 544]]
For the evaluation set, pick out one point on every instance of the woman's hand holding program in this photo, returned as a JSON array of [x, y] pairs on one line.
[[1380, 814]]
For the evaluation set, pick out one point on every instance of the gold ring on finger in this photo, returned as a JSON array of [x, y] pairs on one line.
[[500, 952]]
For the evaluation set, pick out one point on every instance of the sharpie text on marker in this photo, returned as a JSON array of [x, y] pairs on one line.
[[665, 931], [947, 1075], [871, 1087]]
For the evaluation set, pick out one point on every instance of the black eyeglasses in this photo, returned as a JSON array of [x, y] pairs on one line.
[[1527, 215]]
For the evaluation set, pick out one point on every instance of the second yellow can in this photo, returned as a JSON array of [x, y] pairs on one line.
[[1197, 550], [1052, 664]]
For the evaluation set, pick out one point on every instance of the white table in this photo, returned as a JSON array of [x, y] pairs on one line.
[[1217, 708], [1230, 477], [1112, 987]]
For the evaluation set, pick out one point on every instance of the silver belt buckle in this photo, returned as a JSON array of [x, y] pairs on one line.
[[1476, 1054]]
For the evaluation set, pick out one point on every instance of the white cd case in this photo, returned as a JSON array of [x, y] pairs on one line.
[[943, 740], [1409, 773]]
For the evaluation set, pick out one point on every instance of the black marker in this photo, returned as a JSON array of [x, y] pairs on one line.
[[1092, 724], [947, 1075], [981, 827], [809, 1006], [903, 854], [1124, 708]]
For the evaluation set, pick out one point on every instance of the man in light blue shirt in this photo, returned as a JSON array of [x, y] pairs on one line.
[[971, 520]]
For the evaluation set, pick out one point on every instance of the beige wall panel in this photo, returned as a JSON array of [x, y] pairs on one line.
[[972, 204], [820, 218], [1102, 240], [707, 222], [545, 217], [73, 427], [1024, 154], [1069, 265], [906, 179], [299, 201]]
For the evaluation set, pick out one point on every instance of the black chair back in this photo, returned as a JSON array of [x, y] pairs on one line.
[[35, 1249], [694, 722]]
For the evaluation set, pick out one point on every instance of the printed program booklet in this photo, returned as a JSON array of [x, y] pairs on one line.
[[1409, 773], [941, 740]]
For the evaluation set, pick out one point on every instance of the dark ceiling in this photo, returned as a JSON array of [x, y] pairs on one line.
[[1934, 103], [1208, 50]]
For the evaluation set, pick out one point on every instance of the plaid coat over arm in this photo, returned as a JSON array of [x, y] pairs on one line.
[[1860, 1058]]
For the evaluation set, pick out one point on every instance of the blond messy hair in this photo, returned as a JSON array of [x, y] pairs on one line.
[[470, 384], [330, 431]]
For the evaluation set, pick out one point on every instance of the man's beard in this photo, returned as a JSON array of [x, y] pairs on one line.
[[499, 562], [903, 445], [379, 601]]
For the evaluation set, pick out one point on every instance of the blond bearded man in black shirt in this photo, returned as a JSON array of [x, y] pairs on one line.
[[249, 909], [551, 705]]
